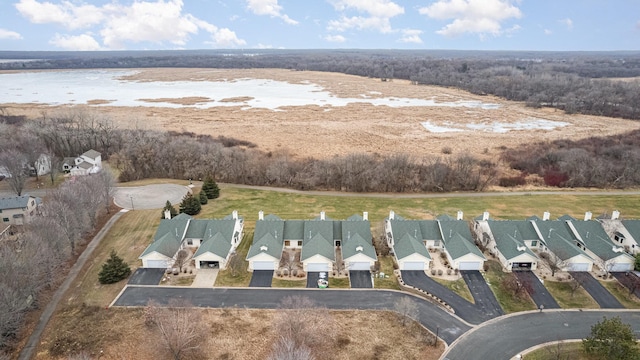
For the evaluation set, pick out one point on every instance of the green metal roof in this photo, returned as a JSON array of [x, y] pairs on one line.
[[268, 238], [596, 239], [559, 239], [355, 234]]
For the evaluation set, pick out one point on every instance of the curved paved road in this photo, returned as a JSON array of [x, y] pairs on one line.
[[434, 318], [508, 336]]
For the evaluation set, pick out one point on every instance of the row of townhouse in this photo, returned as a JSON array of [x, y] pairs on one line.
[[577, 244], [318, 240], [574, 245]]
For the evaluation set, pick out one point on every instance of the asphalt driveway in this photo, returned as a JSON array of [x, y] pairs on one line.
[[598, 292], [484, 298], [462, 307], [146, 276], [539, 293], [432, 316], [628, 280], [261, 278], [360, 279], [312, 280]]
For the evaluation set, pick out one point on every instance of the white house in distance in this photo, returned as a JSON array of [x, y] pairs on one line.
[[90, 162], [18, 210], [213, 241]]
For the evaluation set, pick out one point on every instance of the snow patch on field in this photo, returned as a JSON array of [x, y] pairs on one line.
[[496, 126]]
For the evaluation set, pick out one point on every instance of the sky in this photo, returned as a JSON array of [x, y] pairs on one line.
[[545, 25]]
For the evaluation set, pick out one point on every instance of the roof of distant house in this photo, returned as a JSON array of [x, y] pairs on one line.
[[16, 202], [91, 154]]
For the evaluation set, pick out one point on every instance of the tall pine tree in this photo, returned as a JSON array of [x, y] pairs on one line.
[[210, 187], [190, 205], [171, 208], [203, 198]]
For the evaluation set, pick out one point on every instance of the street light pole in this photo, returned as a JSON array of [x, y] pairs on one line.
[[131, 197]]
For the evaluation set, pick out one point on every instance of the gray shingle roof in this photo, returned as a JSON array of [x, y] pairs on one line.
[[559, 239], [294, 229], [15, 202], [407, 237], [633, 227], [91, 154], [457, 238], [509, 237]]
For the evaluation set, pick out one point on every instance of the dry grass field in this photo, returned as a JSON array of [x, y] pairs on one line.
[[323, 132]]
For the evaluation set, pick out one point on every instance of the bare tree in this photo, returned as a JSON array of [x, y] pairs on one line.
[[288, 260], [516, 287], [574, 285], [236, 264], [181, 329], [14, 163], [286, 349], [304, 323], [181, 259], [406, 309], [107, 186], [554, 261]]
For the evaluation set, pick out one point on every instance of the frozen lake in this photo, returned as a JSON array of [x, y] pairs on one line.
[[85, 86], [496, 126]]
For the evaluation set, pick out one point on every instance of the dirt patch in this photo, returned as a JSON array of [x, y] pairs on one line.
[[237, 99], [122, 334], [326, 131]]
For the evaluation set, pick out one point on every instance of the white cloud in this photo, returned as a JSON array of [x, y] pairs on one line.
[[156, 21], [269, 7], [548, 32], [9, 35], [411, 36], [361, 23], [82, 42], [375, 8], [567, 22], [66, 13], [335, 38], [472, 16], [377, 15]]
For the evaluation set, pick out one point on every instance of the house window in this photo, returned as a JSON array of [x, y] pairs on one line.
[[534, 243], [618, 237], [189, 242], [436, 243], [5, 219], [287, 243]]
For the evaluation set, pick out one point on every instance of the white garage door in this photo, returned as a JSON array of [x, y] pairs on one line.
[[470, 265], [359, 266], [263, 265], [317, 267], [157, 264], [578, 267], [413, 265], [621, 267]]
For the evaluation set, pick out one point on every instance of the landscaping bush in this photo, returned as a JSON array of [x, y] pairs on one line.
[[285, 272], [433, 271], [439, 272], [294, 272], [512, 181], [449, 271], [114, 270]]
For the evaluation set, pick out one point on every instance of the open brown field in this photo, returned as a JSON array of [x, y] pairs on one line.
[[323, 132]]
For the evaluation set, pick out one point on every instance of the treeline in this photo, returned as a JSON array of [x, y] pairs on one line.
[[35, 263], [603, 162], [560, 80]]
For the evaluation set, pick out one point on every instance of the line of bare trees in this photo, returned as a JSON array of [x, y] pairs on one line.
[[560, 80], [36, 260]]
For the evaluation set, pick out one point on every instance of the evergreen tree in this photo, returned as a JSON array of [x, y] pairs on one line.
[[172, 210], [190, 205], [612, 339], [114, 270], [203, 198], [210, 187]]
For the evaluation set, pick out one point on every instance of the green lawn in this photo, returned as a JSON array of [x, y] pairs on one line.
[[563, 350], [289, 283], [457, 286], [621, 293], [342, 283], [386, 266], [561, 291], [226, 277], [508, 302]]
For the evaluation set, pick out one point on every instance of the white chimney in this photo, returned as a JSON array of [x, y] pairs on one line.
[[459, 217], [392, 215], [615, 215], [485, 216], [322, 215], [365, 216], [587, 216], [546, 215], [167, 214], [260, 215], [234, 214]]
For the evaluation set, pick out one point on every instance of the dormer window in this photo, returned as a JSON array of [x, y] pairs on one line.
[[263, 248], [359, 248]]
